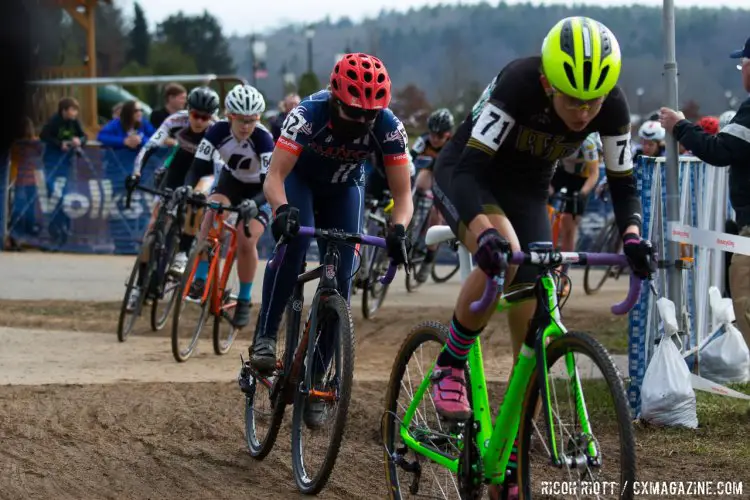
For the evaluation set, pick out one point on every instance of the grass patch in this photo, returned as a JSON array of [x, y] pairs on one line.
[[611, 331]]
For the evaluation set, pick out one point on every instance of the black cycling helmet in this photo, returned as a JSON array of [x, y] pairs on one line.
[[203, 99], [440, 121]]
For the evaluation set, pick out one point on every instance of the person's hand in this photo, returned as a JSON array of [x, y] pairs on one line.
[[131, 182], [170, 141], [76, 142], [394, 239], [286, 222], [65, 145], [640, 254], [669, 118], [248, 210], [492, 250], [129, 141]]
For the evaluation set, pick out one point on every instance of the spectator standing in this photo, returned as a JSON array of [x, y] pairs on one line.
[[290, 102], [63, 130], [175, 98], [731, 146], [129, 130]]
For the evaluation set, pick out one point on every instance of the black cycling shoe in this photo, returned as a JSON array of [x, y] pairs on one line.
[[241, 314], [197, 287], [263, 354]]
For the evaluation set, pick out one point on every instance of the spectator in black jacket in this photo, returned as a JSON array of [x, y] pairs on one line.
[[290, 102], [731, 146], [175, 98], [64, 130]]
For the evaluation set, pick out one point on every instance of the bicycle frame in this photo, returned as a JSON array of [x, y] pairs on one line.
[[215, 283], [494, 444]]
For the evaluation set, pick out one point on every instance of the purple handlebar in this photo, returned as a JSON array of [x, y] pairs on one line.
[[278, 257], [492, 287]]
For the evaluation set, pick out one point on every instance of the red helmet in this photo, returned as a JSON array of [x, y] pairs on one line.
[[709, 124], [361, 81]]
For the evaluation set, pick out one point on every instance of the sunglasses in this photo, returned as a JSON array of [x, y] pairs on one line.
[[574, 104], [197, 115], [357, 113], [138, 110], [244, 120]]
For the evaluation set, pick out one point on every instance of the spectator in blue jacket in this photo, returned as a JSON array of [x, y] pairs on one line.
[[130, 130]]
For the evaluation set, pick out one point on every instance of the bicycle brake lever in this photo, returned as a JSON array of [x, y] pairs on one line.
[[405, 255]]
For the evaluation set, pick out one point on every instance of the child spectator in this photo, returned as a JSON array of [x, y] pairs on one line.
[[64, 130]]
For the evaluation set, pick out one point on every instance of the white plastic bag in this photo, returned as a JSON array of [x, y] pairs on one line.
[[725, 359], [667, 396]]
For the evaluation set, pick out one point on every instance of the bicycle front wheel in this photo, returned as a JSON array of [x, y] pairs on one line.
[[442, 273], [408, 383], [374, 292], [166, 294], [319, 417], [131, 308], [187, 311], [607, 241], [592, 427]]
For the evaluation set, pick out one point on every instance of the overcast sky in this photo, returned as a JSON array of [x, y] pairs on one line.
[[243, 17]]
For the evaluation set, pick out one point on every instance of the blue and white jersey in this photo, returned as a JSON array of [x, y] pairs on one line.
[[306, 133], [246, 160]]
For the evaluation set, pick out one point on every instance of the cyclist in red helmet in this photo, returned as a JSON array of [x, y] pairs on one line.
[[318, 164], [709, 124]]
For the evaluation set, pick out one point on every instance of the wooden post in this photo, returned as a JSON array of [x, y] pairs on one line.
[[93, 113]]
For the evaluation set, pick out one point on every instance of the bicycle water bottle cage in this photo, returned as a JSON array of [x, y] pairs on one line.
[[541, 247]]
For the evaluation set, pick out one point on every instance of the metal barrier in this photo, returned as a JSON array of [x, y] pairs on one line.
[[704, 205]]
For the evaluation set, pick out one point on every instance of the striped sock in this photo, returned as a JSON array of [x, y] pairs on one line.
[[511, 473], [456, 350]]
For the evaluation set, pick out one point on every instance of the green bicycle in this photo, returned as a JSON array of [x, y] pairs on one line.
[[473, 453]]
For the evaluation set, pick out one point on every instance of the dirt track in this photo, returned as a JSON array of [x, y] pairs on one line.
[[84, 417]]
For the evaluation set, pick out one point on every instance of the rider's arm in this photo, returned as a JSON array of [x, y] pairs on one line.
[[590, 165], [293, 139], [618, 160], [263, 142], [397, 167], [489, 130], [730, 146], [155, 142], [418, 148]]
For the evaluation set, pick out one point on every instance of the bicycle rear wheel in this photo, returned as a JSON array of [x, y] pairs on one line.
[[606, 241], [188, 311], [333, 388], [410, 474], [607, 423], [445, 272], [128, 316]]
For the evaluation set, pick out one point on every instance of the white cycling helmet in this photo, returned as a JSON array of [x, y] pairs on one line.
[[725, 118], [244, 100], [651, 131]]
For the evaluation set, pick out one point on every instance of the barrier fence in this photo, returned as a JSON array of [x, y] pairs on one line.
[[75, 201], [704, 206]]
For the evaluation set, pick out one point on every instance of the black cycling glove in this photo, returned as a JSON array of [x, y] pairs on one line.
[[640, 254], [492, 251], [286, 222], [395, 236]]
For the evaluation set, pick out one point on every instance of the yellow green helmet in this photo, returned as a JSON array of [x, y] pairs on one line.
[[581, 58]]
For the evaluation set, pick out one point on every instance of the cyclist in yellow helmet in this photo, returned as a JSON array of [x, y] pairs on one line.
[[492, 178]]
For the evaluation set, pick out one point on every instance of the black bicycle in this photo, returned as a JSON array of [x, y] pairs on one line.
[[374, 260], [418, 227], [315, 368], [607, 241], [158, 251]]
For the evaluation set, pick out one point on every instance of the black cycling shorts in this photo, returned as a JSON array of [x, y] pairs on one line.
[[236, 190], [573, 183], [524, 204]]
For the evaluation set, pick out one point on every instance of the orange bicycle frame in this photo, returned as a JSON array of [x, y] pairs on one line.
[[215, 284]]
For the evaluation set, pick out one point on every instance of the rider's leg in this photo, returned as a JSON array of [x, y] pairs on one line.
[[342, 208], [247, 264], [278, 284], [423, 190]]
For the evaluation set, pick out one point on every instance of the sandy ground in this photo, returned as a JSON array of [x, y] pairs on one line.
[[83, 416]]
